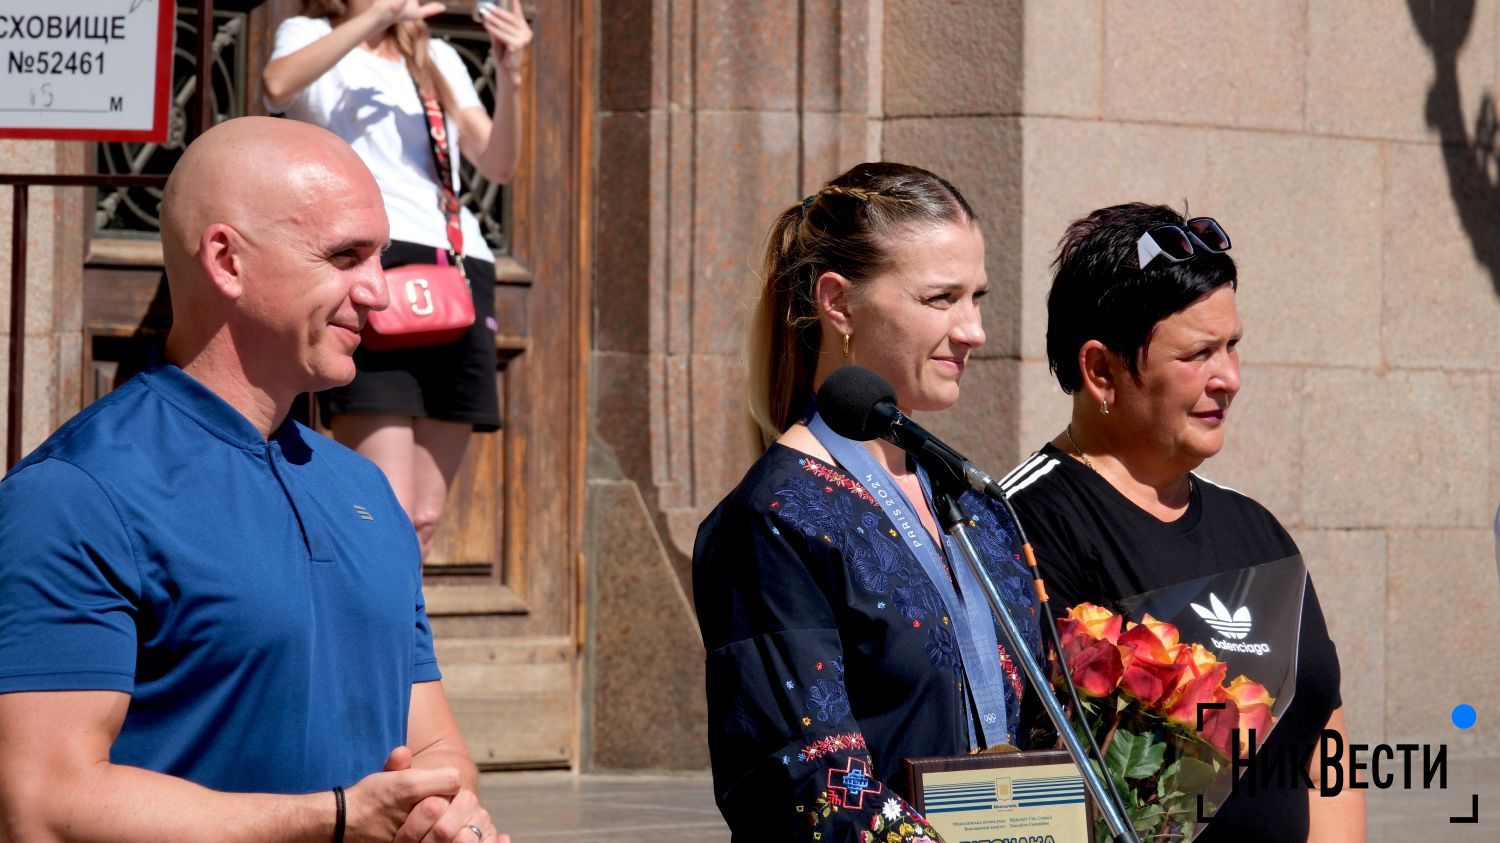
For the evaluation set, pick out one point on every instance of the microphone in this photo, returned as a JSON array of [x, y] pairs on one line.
[[858, 404]]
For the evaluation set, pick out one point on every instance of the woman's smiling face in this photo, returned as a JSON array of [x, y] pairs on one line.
[[915, 322]]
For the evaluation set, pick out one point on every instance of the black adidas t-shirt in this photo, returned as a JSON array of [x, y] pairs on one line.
[[1093, 544]]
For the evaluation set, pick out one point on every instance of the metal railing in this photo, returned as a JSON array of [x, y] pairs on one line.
[[20, 186]]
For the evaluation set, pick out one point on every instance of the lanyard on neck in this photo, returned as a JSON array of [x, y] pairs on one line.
[[973, 626]]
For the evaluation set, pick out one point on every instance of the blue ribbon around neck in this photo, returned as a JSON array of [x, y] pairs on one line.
[[973, 627]]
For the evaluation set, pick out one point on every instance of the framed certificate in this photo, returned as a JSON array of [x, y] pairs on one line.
[[1018, 796]]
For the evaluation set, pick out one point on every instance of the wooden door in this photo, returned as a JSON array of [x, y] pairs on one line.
[[502, 581]]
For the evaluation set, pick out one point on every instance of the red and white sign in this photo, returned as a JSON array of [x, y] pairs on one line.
[[86, 69]]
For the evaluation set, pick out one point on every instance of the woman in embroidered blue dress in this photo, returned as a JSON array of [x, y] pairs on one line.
[[836, 646]]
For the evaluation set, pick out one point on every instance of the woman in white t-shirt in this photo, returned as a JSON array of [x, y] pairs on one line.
[[354, 67]]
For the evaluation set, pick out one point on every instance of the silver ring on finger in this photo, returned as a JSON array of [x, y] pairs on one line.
[[478, 832]]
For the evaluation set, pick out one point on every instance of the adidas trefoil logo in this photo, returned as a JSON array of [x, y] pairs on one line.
[[1235, 625]]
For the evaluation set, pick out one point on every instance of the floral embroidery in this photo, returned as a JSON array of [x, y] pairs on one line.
[[814, 514], [875, 558], [942, 647], [893, 822], [829, 475], [897, 823], [916, 600], [846, 742], [828, 700], [875, 561]]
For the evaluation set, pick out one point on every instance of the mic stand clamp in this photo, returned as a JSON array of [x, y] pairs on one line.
[[952, 520]]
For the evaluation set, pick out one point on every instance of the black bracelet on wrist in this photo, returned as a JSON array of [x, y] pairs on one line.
[[338, 821]]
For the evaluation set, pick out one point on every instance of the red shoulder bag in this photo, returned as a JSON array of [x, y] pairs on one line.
[[431, 303]]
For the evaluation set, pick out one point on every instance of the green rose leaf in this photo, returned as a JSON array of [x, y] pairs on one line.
[[1187, 775], [1135, 756], [1146, 819]]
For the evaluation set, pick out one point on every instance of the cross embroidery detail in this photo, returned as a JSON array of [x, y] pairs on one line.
[[856, 782]]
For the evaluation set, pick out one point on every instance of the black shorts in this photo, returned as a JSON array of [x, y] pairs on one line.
[[454, 382]]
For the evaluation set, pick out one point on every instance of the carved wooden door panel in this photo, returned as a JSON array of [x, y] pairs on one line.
[[502, 578]]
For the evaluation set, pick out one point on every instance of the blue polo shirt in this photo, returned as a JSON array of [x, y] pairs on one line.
[[261, 601]]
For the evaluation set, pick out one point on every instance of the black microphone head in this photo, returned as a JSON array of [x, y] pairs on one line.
[[848, 400]]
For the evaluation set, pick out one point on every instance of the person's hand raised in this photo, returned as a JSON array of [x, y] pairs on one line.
[[397, 11], [509, 35]]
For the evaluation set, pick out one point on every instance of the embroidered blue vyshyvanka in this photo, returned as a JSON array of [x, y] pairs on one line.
[[831, 656]]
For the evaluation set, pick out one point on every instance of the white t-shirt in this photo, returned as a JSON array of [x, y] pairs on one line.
[[372, 104]]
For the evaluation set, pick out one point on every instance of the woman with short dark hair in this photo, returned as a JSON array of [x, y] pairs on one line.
[[838, 645], [1143, 332]]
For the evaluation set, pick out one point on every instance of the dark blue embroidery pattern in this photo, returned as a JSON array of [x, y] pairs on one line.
[[823, 509], [828, 700], [941, 647]]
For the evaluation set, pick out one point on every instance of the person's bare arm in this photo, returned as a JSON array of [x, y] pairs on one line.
[[57, 784], [435, 741], [285, 77], [1341, 818], [492, 142]]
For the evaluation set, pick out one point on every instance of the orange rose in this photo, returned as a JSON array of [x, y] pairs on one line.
[[1196, 660], [1181, 705], [1219, 723], [1095, 665], [1151, 670], [1255, 709], [1246, 692], [1096, 621], [1165, 633]]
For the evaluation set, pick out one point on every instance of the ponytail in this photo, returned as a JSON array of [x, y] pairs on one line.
[[845, 227]]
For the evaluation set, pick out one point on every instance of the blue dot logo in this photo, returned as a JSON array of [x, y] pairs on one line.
[[1464, 716]]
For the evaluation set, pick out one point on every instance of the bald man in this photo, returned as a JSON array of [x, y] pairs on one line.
[[211, 617]]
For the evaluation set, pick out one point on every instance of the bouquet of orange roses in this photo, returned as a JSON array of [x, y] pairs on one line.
[[1164, 716]]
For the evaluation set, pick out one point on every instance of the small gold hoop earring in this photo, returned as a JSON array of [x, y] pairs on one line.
[[1103, 408], [847, 337]]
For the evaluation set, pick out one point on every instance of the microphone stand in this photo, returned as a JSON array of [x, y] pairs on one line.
[[952, 518]]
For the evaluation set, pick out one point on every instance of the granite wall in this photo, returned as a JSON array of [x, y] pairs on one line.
[[713, 117], [54, 299], [1349, 148]]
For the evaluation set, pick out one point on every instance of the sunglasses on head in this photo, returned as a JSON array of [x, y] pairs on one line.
[[1178, 243]]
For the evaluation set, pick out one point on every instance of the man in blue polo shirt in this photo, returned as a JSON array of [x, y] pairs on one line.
[[211, 617]]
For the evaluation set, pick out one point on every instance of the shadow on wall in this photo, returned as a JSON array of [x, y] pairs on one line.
[[1473, 162]]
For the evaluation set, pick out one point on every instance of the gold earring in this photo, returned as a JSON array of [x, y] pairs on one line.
[[1103, 408], [847, 337]]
